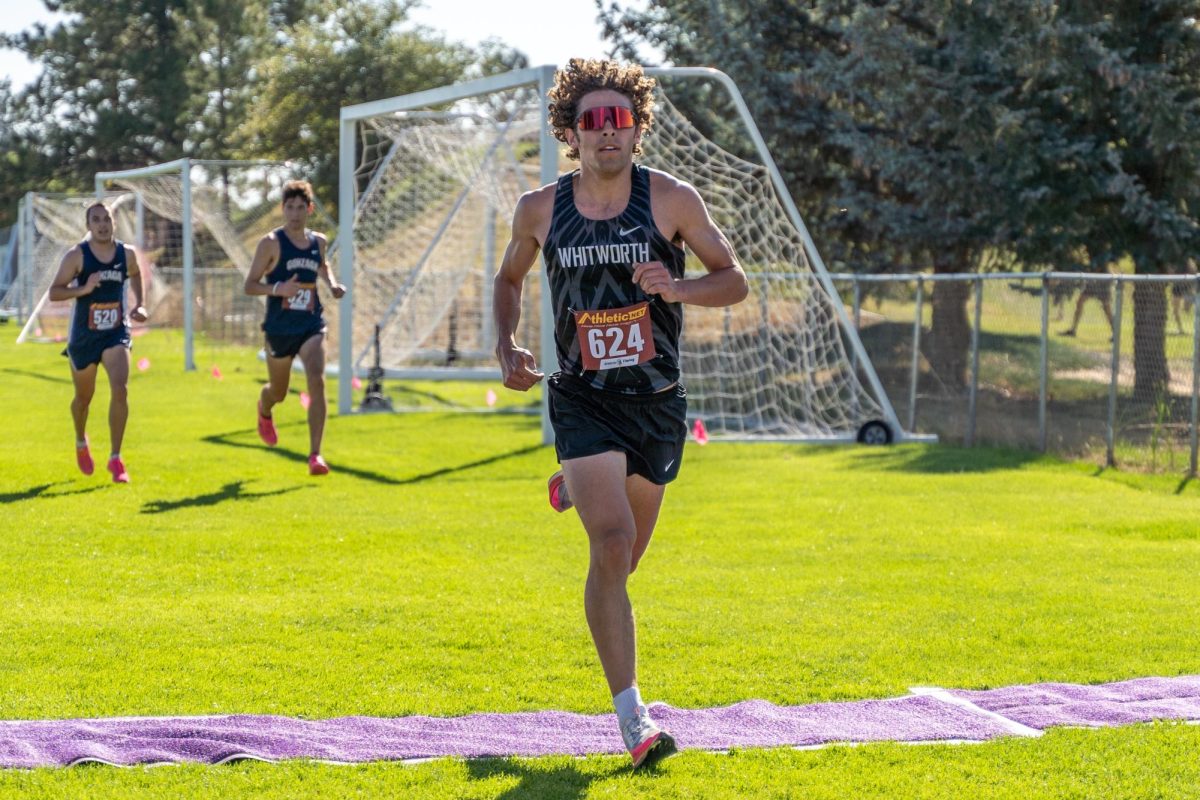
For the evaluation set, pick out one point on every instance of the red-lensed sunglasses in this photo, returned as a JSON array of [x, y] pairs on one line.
[[594, 119]]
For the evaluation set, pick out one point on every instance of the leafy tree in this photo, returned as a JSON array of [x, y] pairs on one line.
[[359, 52], [946, 134], [113, 90], [876, 113], [1104, 140]]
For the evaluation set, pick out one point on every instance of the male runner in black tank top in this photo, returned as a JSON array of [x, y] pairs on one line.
[[290, 260], [611, 235], [100, 267]]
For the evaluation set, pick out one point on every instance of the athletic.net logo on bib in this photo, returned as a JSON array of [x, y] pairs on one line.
[[615, 337]]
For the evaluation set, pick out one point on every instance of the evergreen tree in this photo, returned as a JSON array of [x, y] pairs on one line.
[[359, 52]]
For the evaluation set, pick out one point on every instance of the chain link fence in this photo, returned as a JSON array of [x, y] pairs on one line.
[[1097, 367]]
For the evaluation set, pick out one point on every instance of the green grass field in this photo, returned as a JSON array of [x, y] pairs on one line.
[[427, 575]]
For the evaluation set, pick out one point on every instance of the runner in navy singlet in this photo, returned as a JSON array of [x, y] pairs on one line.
[[286, 267], [612, 236], [96, 273]]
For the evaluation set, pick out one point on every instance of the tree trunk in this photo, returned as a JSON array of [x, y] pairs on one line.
[[950, 332], [1152, 374]]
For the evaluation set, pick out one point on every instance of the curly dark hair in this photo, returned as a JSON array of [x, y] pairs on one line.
[[581, 76], [301, 189]]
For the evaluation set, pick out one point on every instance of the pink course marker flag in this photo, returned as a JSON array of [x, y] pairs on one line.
[[355, 382], [699, 432], [143, 363], [216, 373], [490, 397], [305, 400]]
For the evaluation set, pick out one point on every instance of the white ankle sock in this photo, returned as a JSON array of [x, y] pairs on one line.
[[114, 455], [627, 703], [82, 443]]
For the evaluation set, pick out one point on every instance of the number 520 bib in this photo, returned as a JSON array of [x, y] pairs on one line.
[[615, 337]]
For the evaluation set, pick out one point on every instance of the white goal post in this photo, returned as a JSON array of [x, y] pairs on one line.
[[785, 365]]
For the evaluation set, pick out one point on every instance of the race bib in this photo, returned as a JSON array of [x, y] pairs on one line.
[[615, 337], [303, 300], [104, 316]]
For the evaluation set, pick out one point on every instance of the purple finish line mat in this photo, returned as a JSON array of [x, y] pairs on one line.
[[932, 716], [1042, 705]]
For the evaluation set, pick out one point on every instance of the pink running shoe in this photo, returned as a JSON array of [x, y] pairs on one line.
[[559, 500], [646, 742], [117, 467], [317, 465], [266, 428], [83, 457]]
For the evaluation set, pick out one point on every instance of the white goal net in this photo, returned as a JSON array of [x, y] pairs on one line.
[[436, 181]]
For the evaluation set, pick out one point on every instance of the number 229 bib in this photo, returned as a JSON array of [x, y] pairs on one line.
[[302, 300], [615, 337]]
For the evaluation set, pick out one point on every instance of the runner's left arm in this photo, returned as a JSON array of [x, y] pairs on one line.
[[139, 312], [724, 282], [325, 272]]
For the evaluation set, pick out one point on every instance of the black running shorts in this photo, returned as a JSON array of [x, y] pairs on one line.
[[649, 429], [288, 345]]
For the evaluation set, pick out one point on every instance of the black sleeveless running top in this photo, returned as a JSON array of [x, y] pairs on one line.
[[590, 264]]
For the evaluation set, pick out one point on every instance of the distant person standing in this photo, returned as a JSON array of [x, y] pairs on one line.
[[95, 274], [1183, 294], [286, 266], [1099, 290]]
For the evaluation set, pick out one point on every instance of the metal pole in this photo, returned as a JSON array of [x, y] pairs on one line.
[[487, 331], [857, 322], [345, 239], [139, 236], [1043, 377], [1110, 432], [914, 369], [972, 399], [189, 276], [27, 257], [1195, 372]]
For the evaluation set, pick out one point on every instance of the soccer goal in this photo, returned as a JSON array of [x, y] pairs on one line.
[[48, 225], [428, 185], [199, 223]]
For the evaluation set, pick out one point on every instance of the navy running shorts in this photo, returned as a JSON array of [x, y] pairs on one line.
[[90, 349], [649, 429], [287, 345]]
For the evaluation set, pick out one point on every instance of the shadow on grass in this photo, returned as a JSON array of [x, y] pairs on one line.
[[39, 491], [944, 459], [29, 374], [338, 468], [565, 782], [230, 491]]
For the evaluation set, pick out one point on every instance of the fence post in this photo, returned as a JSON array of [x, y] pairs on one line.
[[914, 372], [1195, 372], [1044, 356], [857, 322], [974, 392], [1110, 434]]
